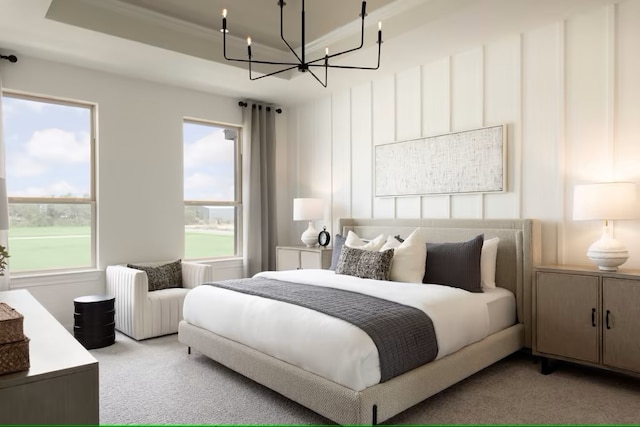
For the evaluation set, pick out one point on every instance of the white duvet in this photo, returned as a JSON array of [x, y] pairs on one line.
[[326, 346]]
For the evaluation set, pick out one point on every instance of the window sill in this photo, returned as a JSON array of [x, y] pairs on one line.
[[28, 280]]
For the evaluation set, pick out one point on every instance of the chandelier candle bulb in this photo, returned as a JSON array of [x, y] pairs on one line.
[[249, 46]]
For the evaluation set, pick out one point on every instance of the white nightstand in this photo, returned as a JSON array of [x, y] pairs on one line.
[[297, 257]]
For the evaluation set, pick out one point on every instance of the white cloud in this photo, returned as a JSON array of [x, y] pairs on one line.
[[21, 166], [211, 149], [59, 188], [201, 186], [59, 146]]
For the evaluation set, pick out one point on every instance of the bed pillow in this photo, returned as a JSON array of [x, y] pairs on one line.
[[365, 264], [354, 241], [455, 264], [338, 243], [163, 276], [408, 257], [488, 263]]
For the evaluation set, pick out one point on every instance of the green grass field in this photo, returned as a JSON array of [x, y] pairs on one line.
[[45, 248]]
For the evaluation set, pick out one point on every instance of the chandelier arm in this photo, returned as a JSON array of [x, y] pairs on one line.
[[348, 67], [324, 84], [270, 74], [292, 64], [281, 3]]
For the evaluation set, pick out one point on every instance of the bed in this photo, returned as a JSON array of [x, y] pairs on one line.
[[354, 395]]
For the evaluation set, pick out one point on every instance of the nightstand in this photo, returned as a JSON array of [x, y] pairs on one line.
[[587, 316], [297, 257]]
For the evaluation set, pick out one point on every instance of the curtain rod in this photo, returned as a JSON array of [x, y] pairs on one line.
[[10, 58], [244, 104]]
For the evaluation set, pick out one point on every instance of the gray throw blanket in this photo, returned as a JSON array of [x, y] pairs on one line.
[[404, 335]]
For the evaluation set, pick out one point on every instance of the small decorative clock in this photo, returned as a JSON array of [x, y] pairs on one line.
[[324, 238]]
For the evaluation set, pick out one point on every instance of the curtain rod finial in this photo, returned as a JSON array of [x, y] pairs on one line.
[[10, 58]]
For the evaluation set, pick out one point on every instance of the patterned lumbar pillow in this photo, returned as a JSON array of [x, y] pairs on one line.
[[163, 276], [365, 264]]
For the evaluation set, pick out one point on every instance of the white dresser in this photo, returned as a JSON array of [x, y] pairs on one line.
[[61, 386]]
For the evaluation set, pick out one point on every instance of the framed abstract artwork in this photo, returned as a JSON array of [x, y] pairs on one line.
[[472, 161]]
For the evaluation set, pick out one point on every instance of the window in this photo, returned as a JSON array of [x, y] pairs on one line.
[[212, 190], [49, 147]]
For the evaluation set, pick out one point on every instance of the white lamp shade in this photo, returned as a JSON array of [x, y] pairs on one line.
[[609, 200], [307, 209]]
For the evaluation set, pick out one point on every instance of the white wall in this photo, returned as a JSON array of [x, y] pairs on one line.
[[569, 93], [139, 185]]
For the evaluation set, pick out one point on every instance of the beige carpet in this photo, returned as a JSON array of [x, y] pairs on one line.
[[156, 382]]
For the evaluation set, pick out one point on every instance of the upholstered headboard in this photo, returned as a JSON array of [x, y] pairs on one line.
[[518, 250]]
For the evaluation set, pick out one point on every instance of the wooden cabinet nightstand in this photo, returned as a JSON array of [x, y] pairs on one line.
[[587, 316], [297, 257]]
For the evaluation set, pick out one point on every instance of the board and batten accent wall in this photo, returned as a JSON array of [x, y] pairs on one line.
[[568, 92]]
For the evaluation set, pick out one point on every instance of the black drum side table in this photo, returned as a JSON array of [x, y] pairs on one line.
[[94, 320]]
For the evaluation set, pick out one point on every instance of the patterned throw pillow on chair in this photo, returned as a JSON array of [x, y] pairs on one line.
[[163, 276]]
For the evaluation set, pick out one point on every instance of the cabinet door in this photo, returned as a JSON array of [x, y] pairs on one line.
[[287, 259], [567, 315], [621, 320], [310, 259]]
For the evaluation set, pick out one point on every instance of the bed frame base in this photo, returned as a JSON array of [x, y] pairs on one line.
[[341, 404]]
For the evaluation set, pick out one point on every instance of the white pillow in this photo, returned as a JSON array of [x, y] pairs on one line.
[[488, 263], [353, 241], [409, 257]]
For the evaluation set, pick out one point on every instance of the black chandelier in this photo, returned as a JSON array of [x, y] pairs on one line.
[[302, 65]]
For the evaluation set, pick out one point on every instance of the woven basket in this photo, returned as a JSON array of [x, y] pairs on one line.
[[14, 356], [11, 324]]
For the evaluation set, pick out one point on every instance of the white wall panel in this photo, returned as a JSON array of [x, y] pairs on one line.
[[542, 133], [384, 113], [384, 132], [467, 90], [436, 97], [502, 105], [408, 104], [361, 151], [588, 146], [341, 158], [466, 206], [321, 182], [627, 113], [408, 207], [436, 206]]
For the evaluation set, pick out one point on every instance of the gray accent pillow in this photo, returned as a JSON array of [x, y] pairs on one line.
[[365, 264], [338, 243], [455, 264], [163, 276]]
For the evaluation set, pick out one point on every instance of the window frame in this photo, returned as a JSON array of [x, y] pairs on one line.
[[237, 204], [91, 200]]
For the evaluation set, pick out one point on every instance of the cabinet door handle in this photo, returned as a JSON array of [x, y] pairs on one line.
[[593, 317], [607, 319]]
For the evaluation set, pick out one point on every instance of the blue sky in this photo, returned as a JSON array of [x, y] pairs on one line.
[[47, 147], [208, 163]]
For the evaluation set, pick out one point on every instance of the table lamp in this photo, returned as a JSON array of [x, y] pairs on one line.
[[306, 209], [606, 201]]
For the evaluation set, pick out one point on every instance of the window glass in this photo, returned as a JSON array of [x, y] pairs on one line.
[[48, 148], [211, 190]]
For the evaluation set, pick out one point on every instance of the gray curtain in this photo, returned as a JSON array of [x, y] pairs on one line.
[[259, 236], [4, 208]]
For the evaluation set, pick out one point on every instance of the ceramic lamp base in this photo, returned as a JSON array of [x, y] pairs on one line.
[[310, 236], [607, 253]]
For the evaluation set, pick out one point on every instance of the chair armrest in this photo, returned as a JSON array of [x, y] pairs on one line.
[[126, 282], [194, 274]]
